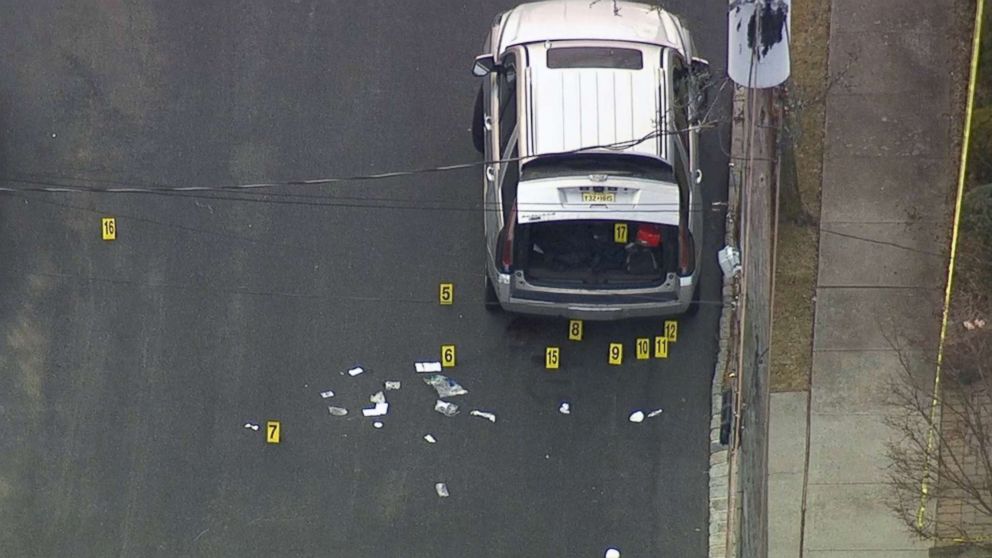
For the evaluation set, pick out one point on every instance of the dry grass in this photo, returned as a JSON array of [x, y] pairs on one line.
[[798, 236]]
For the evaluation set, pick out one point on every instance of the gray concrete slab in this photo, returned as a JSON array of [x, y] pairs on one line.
[[785, 501], [861, 382], [890, 15], [887, 63], [874, 318], [787, 432], [867, 553], [853, 517], [886, 125], [848, 448], [882, 189], [882, 254]]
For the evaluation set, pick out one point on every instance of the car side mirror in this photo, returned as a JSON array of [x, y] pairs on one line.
[[699, 70], [483, 65]]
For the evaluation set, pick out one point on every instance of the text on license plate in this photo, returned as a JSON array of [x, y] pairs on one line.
[[598, 197]]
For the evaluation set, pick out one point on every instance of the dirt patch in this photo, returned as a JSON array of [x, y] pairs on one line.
[[800, 181]]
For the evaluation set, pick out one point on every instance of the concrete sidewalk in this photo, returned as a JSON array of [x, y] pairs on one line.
[[889, 175]]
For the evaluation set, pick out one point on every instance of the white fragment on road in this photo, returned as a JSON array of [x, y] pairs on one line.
[[377, 411], [356, 371], [392, 386], [489, 416], [565, 409], [655, 413], [612, 553], [444, 386], [442, 489], [428, 366], [326, 394], [251, 426], [337, 411], [377, 397], [430, 439], [377, 424], [445, 408], [637, 416]]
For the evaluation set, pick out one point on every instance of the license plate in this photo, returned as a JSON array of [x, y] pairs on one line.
[[598, 197]]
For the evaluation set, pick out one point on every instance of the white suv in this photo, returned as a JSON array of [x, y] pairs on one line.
[[589, 122]]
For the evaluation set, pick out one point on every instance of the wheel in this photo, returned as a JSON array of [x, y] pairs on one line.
[[478, 133], [694, 305], [491, 301]]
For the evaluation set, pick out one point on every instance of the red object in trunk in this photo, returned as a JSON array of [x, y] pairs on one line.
[[649, 235]]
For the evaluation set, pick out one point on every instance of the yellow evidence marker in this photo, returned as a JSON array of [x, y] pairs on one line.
[[446, 296], [575, 330], [661, 347], [672, 330], [108, 228], [616, 354], [620, 233], [643, 346], [272, 431], [552, 356], [447, 356]]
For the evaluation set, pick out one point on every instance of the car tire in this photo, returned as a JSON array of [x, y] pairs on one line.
[[694, 305], [478, 132], [491, 300]]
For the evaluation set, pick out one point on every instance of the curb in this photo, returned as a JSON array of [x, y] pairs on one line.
[[719, 471]]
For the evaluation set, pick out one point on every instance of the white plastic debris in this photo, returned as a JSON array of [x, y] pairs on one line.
[[251, 426], [326, 394], [430, 439], [442, 489], [377, 411], [445, 408], [392, 386], [637, 416], [565, 408], [445, 386], [356, 371], [730, 260], [337, 411], [377, 397], [377, 424], [488, 416], [428, 366], [612, 553], [655, 413]]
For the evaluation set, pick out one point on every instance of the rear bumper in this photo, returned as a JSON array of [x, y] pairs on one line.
[[614, 307]]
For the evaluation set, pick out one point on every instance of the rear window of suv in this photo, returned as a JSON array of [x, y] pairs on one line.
[[595, 57]]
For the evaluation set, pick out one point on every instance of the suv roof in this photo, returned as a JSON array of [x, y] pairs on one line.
[[582, 107], [553, 20]]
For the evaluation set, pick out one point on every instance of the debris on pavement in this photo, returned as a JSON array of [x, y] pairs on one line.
[[377, 424], [442, 489], [356, 371], [251, 426], [489, 416], [377, 397], [655, 413], [637, 416], [430, 439], [326, 394], [445, 386], [377, 411], [391, 386], [565, 408], [445, 408], [337, 411], [729, 259], [434, 366], [612, 553]]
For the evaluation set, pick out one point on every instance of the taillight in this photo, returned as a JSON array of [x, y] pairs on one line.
[[508, 227]]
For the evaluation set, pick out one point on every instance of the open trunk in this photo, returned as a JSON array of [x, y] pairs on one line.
[[584, 254]]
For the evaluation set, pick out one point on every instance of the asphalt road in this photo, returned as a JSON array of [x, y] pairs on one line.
[[128, 368]]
